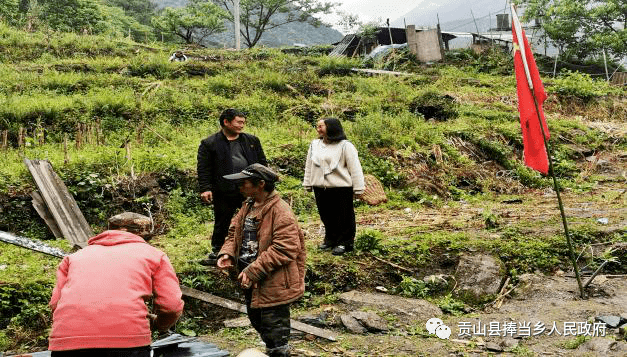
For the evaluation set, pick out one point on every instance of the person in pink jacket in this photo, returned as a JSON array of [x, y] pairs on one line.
[[99, 301]]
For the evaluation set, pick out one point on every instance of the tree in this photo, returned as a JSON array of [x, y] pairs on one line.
[[582, 27], [71, 15], [192, 23], [258, 16], [8, 9], [349, 23], [141, 10], [117, 23]]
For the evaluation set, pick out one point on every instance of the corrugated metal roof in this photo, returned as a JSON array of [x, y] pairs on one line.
[[174, 345], [344, 45]]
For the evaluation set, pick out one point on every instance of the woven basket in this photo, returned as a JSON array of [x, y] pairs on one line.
[[373, 194]]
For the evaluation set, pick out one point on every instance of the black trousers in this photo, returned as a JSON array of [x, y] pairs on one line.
[[143, 351], [272, 324], [335, 206], [224, 206]]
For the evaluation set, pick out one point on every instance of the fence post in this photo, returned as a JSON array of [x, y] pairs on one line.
[[5, 139], [20, 137], [79, 136], [66, 156]]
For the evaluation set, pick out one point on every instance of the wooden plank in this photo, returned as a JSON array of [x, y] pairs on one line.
[[76, 216], [60, 203], [212, 299], [297, 325], [232, 305], [380, 71], [44, 213]]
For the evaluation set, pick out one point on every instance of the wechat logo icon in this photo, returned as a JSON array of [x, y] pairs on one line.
[[437, 327]]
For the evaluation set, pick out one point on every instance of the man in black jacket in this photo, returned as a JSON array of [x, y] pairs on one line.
[[226, 152]]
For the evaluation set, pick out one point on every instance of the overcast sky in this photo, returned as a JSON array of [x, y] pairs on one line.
[[372, 10], [425, 10]]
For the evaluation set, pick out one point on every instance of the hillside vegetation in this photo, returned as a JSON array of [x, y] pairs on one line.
[[444, 136]]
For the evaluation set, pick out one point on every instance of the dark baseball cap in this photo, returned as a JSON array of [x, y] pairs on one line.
[[254, 170]]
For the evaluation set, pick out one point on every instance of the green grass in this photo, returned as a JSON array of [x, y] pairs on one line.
[[129, 93]]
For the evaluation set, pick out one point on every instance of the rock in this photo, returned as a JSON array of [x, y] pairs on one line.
[[478, 275], [381, 289], [352, 324], [509, 343], [251, 352], [610, 321], [239, 322], [598, 345], [416, 309], [492, 346], [318, 321], [371, 321]]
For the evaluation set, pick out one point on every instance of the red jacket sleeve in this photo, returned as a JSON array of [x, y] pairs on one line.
[[61, 279], [168, 304]]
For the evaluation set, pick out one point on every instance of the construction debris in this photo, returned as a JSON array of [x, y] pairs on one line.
[[216, 300], [174, 345], [60, 204], [31, 244]]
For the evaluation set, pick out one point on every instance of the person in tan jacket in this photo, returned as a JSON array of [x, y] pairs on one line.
[[267, 248]]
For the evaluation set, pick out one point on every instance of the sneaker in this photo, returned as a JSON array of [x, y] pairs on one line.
[[339, 250], [324, 246], [211, 260]]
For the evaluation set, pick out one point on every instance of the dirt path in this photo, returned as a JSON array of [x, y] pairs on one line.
[[538, 302]]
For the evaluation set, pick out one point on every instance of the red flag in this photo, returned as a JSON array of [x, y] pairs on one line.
[[528, 80]]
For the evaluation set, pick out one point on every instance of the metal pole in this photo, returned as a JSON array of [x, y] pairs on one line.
[[607, 75], [237, 24], [571, 251]]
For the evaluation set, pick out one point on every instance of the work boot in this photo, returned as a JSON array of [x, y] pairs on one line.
[[281, 351], [324, 246], [340, 250]]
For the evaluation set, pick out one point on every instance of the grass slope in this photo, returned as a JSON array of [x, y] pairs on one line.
[[442, 138]]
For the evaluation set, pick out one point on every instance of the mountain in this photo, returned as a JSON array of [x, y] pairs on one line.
[[285, 35], [428, 11]]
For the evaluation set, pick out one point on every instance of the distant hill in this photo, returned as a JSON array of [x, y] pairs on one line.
[[286, 35], [428, 11]]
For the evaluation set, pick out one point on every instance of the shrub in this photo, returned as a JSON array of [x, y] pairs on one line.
[[578, 85], [369, 241]]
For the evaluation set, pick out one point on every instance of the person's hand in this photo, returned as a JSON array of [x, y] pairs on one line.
[[244, 280], [224, 262], [206, 196]]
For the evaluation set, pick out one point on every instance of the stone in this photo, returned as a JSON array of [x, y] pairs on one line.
[[238, 322], [317, 321], [598, 345], [509, 343], [414, 309], [371, 321], [494, 347], [352, 324], [479, 274], [610, 321]]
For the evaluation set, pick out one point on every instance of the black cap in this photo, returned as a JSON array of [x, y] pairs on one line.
[[254, 170]]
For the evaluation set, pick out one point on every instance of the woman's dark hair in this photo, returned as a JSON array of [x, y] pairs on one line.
[[335, 132], [269, 187]]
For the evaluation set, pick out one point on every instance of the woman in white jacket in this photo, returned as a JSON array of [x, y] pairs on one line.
[[334, 173]]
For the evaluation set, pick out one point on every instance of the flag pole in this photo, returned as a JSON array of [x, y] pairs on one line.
[[548, 152]]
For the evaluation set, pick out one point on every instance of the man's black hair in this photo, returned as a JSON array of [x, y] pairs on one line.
[[230, 114], [269, 187], [335, 132]]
